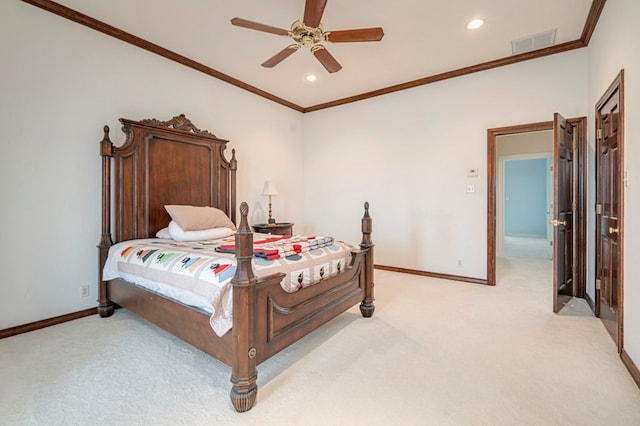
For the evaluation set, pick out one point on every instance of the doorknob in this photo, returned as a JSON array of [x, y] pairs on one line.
[[613, 230], [557, 222]]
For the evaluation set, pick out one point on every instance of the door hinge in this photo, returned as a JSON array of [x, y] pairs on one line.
[[574, 270], [598, 208], [574, 207], [598, 284], [599, 134]]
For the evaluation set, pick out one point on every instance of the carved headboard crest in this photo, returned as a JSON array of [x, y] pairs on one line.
[[179, 122]]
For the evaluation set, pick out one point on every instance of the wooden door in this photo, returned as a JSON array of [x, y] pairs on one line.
[[563, 253], [608, 211]]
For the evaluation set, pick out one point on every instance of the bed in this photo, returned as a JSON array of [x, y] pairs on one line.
[[175, 163]]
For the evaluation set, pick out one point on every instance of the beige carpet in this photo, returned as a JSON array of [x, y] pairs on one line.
[[435, 353], [529, 247]]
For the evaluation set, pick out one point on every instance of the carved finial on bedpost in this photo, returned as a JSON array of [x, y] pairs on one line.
[[106, 146], [243, 370], [366, 307], [244, 212], [366, 227], [244, 249], [233, 163], [105, 307], [106, 152]]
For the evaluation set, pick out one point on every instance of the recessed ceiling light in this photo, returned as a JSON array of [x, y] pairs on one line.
[[311, 77], [474, 24]]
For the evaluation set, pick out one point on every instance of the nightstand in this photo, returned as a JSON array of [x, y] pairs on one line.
[[285, 228]]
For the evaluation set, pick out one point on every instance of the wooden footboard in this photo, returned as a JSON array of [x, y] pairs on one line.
[[266, 319]]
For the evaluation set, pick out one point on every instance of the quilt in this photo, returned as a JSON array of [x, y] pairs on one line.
[[281, 246], [199, 273]]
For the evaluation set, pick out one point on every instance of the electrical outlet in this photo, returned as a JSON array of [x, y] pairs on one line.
[[460, 264], [84, 291]]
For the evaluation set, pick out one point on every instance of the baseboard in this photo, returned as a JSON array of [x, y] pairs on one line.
[[591, 303], [13, 331], [631, 366], [431, 274]]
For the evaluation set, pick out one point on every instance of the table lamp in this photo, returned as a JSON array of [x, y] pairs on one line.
[[270, 189]]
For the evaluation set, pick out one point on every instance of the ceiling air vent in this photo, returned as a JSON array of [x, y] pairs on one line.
[[534, 42]]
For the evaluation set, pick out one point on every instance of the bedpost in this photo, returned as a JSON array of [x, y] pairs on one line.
[[244, 373], [105, 306], [366, 307], [234, 167]]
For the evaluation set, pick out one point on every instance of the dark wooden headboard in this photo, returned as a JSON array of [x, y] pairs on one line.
[[160, 163]]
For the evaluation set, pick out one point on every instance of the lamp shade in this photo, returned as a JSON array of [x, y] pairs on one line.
[[270, 188]]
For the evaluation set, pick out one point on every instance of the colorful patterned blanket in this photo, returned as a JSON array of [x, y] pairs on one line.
[[199, 273], [277, 247]]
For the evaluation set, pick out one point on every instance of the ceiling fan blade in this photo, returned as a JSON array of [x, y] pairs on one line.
[[239, 22], [313, 10], [348, 36], [280, 56], [325, 58]]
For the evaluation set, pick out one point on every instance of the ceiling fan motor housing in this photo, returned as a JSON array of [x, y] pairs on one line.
[[306, 36]]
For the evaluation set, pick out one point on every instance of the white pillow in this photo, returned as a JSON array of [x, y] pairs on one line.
[[164, 234], [178, 234]]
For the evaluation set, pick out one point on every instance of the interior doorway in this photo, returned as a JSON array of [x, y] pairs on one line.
[[524, 201], [495, 224]]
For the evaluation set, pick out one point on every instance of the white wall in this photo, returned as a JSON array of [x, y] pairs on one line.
[[61, 83], [614, 46], [408, 154], [540, 142]]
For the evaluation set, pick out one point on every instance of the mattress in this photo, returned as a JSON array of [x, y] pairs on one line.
[[199, 274]]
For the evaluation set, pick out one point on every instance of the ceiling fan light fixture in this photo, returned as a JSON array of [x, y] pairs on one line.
[[308, 32], [304, 35], [474, 24]]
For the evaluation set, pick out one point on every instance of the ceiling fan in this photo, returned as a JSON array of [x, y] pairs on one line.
[[308, 32]]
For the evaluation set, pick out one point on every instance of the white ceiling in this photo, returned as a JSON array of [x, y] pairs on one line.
[[422, 37]]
